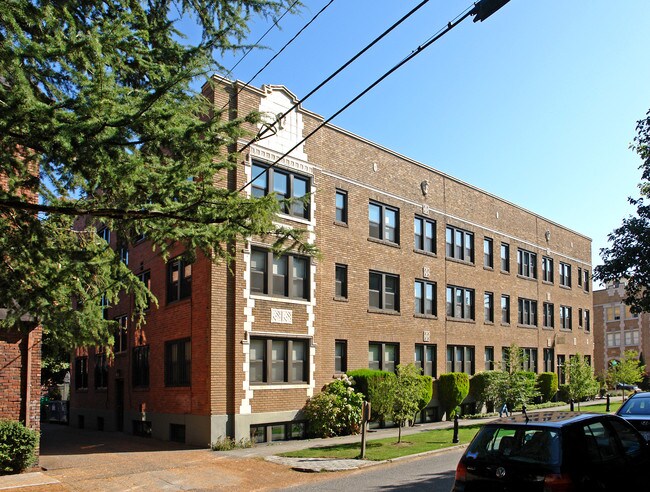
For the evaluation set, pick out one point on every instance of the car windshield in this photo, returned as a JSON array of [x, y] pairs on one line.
[[636, 406], [525, 444]]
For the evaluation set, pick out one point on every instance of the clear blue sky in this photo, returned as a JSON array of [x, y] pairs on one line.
[[537, 105]]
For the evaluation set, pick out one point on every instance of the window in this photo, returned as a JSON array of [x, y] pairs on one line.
[[549, 321], [614, 339], [561, 373], [489, 358], [488, 255], [488, 307], [383, 292], [527, 312], [120, 341], [383, 356], [178, 362], [613, 313], [124, 254], [585, 274], [341, 206], [460, 302], [547, 269], [505, 257], [179, 280], [526, 263], [105, 234], [580, 318], [288, 277], [425, 359], [579, 277], [278, 360], [565, 317], [587, 323], [460, 244], [290, 189], [565, 274], [103, 302], [81, 373], [549, 360], [141, 366], [425, 298], [505, 309], [425, 235], [145, 278], [341, 282], [632, 337], [383, 222], [529, 360], [460, 358], [101, 370], [340, 356]]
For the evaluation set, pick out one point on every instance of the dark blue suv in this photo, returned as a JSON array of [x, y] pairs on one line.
[[554, 452]]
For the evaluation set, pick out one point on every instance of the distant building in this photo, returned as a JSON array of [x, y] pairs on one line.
[[417, 267], [616, 328]]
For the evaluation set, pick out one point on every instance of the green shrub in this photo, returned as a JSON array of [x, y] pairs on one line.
[[363, 377], [17, 447], [563, 392], [547, 385], [453, 387], [375, 386], [426, 391], [335, 411], [478, 385]]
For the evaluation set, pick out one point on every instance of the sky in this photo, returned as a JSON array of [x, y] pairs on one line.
[[537, 105]]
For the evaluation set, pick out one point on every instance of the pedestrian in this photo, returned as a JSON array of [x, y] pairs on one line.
[[504, 410]]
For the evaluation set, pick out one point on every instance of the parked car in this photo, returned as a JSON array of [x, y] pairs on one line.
[[555, 451], [636, 410], [628, 387]]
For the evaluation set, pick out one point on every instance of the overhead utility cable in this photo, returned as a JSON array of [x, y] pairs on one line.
[[469, 11], [338, 71]]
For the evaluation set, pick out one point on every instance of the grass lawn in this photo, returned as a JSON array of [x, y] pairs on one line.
[[600, 408], [385, 449]]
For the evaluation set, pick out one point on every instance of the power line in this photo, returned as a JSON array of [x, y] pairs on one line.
[[338, 71], [461, 17]]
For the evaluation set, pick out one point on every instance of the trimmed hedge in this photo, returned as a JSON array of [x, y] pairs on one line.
[[453, 387], [17, 447], [477, 385], [375, 388], [363, 379], [426, 391], [547, 385]]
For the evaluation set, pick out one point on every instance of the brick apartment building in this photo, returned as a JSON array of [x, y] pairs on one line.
[[416, 266], [616, 328]]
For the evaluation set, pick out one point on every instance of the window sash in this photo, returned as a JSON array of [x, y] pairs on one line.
[[178, 362], [488, 259], [289, 275], [383, 222], [341, 206], [505, 257], [383, 291], [341, 281], [141, 366], [460, 244], [278, 360], [287, 186]]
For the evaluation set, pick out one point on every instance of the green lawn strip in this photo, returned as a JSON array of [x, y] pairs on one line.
[[387, 448], [600, 408]]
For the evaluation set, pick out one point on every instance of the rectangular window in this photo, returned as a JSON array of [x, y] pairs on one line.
[[614, 339], [526, 263], [124, 254], [549, 320], [101, 371], [613, 313], [179, 280], [565, 317], [340, 356], [141, 366], [460, 358], [505, 257], [278, 360], [288, 277], [383, 222], [290, 189], [632, 337], [547, 269], [145, 278], [105, 234], [81, 373], [178, 362], [529, 360], [425, 235], [460, 302], [580, 318], [488, 307], [585, 274], [383, 356], [587, 323], [425, 298], [383, 291], [565, 274], [459, 244], [549, 360], [505, 309], [527, 312], [341, 282], [561, 373], [120, 338], [425, 359], [579, 277], [488, 254], [489, 358], [341, 206]]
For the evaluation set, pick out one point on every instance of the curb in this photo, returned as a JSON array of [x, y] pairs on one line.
[[33, 479]]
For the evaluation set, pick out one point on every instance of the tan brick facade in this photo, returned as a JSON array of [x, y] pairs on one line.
[[228, 318]]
